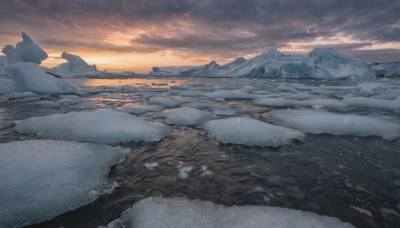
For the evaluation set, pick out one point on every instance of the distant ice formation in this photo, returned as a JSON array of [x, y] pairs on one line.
[[75, 66], [321, 63]]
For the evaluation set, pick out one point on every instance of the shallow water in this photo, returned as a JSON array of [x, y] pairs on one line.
[[326, 174]]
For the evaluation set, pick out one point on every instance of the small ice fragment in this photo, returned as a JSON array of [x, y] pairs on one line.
[[150, 165], [184, 171]]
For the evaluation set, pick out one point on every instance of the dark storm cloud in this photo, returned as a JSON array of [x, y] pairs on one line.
[[214, 27]]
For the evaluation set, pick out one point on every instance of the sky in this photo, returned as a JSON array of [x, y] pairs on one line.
[[138, 34]]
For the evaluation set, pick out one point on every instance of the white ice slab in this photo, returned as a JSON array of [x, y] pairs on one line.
[[181, 212], [319, 122], [44, 178], [243, 130], [104, 126]]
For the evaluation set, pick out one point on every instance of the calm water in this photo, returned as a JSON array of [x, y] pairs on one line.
[[325, 174]]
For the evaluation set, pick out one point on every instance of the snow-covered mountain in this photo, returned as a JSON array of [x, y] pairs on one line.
[[75, 65], [321, 63]]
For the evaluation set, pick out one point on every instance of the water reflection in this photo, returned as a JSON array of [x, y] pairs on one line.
[[155, 83]]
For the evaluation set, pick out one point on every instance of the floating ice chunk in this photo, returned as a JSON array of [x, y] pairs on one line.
[[198, 105], [283, 102], [364, 102], [44, 178], [225, 112], [186, 116], [231, 94], [104, 126], [139, 108], [25, 51], [31, 77], [319, 122], [150, 165], [156, 212], [184, 171], [251, 132], [168, 102]]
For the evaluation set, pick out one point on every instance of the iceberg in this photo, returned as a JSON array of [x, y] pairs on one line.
[[3, 65], [321, 63], [25, 51], [320, 122], [387, 70], [75, 65], [103, 126], [31, 77], [27, 75], [158, 212], [251, 132], [44, 178]]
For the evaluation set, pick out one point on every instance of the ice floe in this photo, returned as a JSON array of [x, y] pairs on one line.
[[181, 212], [370, 102], [140, 108], [319, 122], [186, 116], [103, 126], [284, 102], [251, 132], [44, 178]]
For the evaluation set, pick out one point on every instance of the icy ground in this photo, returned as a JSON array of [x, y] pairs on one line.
[[327, 147]]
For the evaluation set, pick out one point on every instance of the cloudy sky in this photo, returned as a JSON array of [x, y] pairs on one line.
[[138, 34]]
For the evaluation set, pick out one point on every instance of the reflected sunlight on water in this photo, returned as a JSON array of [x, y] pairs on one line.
[[155, 83]]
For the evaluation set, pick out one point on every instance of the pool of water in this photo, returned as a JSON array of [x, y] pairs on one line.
[[356, 179]]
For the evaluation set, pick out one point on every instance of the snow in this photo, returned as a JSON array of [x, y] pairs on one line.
[[181, 212], [251, 132], [369, 102], [321, 63], [150, 165], [75, 66], [103, 126], [320, 122], [25, 51], [185, 116], [44, 178], [31, 77]]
